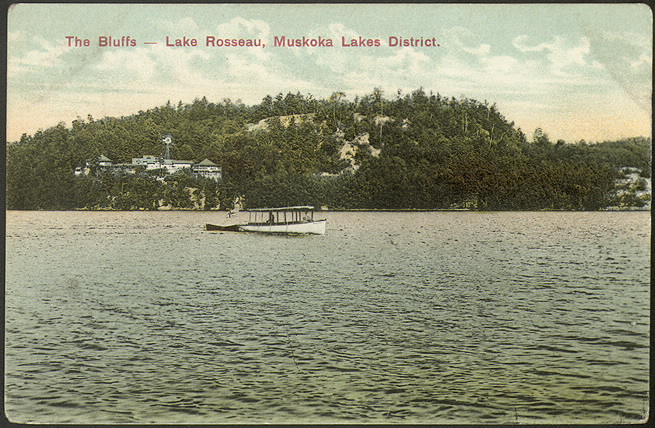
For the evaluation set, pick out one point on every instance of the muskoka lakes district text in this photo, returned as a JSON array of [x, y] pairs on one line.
[[278, 41]]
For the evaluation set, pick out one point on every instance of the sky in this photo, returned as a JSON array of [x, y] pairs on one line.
[[576, 71]]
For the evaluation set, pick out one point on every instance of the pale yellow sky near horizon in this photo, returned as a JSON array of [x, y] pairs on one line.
[[576, 71]]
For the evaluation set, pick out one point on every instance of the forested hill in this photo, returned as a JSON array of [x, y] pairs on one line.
[[417, 150]]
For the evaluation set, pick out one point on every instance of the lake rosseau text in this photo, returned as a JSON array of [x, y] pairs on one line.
[[278, 41]]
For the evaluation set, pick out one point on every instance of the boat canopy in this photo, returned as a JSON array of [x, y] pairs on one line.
[[281, 215], [296, 208]]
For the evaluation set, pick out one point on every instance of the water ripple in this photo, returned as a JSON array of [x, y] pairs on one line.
[[497, 318]]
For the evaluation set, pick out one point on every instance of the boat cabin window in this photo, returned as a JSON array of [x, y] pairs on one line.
[[281, 216]]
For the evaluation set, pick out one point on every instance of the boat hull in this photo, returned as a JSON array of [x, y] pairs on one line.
[[311, 228], [230, 228]]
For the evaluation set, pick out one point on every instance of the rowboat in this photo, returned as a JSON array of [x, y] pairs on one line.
[[230, 228], [283, 220]]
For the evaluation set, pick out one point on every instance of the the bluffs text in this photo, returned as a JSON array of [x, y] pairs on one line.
[[278, 42]]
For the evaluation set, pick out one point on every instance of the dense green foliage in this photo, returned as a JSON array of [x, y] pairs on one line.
[[416, 150]]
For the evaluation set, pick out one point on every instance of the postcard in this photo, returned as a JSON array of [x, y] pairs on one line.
[[425, 213]]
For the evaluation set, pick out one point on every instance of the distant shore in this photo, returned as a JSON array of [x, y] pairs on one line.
[[408, 210]]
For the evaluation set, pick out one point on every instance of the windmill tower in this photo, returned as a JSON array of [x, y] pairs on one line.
[[168, 141]]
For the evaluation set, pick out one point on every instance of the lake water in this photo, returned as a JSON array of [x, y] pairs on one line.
[[391, 317]]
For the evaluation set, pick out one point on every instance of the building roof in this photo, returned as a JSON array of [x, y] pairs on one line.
[[177, 162], [207, 162], [103, 158]]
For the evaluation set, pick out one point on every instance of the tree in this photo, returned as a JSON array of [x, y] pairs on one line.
[[435, 152]]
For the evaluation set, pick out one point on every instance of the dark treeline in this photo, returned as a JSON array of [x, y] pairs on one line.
[[417, 150]]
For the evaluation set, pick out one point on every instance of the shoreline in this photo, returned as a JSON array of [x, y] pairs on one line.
[[408, 210]]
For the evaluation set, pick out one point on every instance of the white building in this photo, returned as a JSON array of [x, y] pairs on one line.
[[149, 161], [205, 168], [101, 162], [208, 169], [104, 161], [172, 166]]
